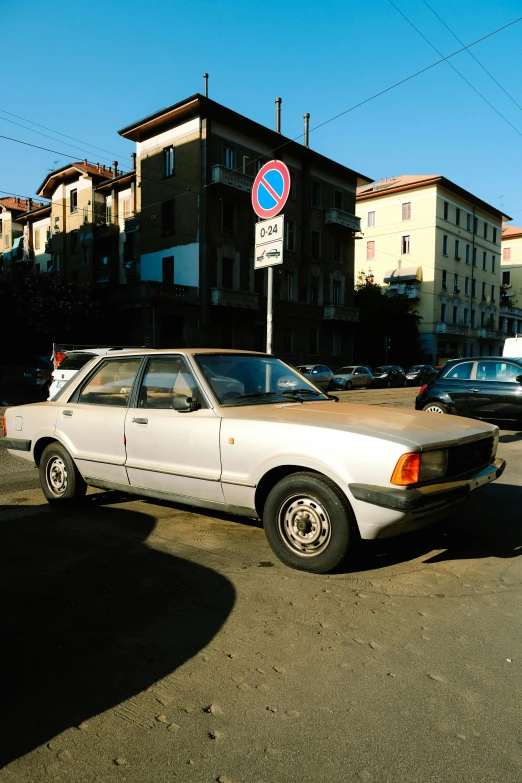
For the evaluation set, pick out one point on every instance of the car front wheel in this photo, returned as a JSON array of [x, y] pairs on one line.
[[59, 476], [348, 385], [309, 523], [435, 407]]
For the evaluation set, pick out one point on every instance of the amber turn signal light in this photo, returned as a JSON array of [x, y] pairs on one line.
[[407, 470]]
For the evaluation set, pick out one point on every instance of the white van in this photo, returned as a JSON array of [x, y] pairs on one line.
[[513, 347]]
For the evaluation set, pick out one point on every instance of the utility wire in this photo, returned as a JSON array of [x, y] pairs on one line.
[[455, 69], [472, 55]]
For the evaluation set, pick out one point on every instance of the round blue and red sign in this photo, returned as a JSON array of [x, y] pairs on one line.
[[271, 189]]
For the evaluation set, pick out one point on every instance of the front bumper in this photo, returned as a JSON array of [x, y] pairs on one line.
[[15, 444], [435, 497]]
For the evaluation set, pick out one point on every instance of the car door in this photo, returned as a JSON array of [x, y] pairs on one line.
[[358, 379], [172, 448], [92, 424], [317, 376], [494, 392], [455, 384]]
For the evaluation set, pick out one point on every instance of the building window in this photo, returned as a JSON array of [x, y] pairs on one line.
[[316, 194], [506, 254], [290, 235], [370, 250], [492, 293], [168, 161], [337, 249], [336, 292], [288, 340], [455, 314], [465, 317], [314, 294], [456, 284], [168, 218], [468, 222], [227, 273], [314, 340], [293, 185], [474, 256], [443, 312], [290, 285], [108, 213], [445, 245], [466, 286], [37, 239], [473, 289], [229, 157], [406, 210], [483, 291], [167, 270], [338, 199], [446, 210], [73, 200], [126, 210], [457, 250], [485, 230], [316, 243], [74, 242], [468, 254], [444, 279], [370, 219], [482, 318], [484, 260], [6, 242], [493, 263], [506, 278], [457, 216], [475, 225], [337, 344], [405, 245], [494, 235], [228, 217], [472, 322]]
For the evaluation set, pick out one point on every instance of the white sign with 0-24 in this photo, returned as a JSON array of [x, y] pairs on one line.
[[269, 242]]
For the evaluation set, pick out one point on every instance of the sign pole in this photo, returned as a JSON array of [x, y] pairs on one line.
[[269, 292]]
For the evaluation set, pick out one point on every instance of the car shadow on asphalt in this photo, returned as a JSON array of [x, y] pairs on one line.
[[92, 616], [487, 526]]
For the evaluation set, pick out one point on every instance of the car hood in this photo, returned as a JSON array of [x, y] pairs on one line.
[[415, 429]]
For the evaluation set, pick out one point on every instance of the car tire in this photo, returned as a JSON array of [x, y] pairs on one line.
[[435, 407], [309, 523], [331, 385], [405, 382], [348, 385], [388, 384], [59, 477]]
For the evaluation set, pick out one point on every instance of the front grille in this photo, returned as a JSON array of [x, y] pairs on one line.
[[470, 457]]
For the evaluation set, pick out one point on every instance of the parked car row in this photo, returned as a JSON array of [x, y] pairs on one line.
[[362, 376]]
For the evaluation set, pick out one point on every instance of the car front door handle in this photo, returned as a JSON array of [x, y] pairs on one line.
[[140, 421], [67, 413], [474, 390]]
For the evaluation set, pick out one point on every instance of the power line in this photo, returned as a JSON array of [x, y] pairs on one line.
[[472, 55], [455, 69]]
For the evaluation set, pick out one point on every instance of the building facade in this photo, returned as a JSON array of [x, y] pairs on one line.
[[426, 238], [511, 281], [14, 247]]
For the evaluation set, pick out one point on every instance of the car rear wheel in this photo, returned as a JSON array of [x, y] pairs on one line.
[[309, 523], [435, 407], [59, 476]]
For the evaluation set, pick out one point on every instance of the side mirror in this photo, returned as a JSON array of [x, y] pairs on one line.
[[519, 379], [184, 404]]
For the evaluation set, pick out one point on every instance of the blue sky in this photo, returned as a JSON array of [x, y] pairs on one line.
[[86, 70]]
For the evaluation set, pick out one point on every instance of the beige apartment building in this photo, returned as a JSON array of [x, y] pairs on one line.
[[14, 248], [426, 238], [511, 281]]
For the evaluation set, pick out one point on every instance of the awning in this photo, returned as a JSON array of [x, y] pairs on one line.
[[403, 275]]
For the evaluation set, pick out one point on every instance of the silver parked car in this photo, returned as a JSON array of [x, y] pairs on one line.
[[318, 374], [353, 377], [225, 430]]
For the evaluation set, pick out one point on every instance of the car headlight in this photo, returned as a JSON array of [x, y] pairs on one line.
[[415, 467]]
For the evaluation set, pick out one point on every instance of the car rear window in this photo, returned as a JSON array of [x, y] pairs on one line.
[[76, 362]]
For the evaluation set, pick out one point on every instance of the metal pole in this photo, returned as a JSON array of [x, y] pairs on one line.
[[205, 83], [278, 102], [270, 288]]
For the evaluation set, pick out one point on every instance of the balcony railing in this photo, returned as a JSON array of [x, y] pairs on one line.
[[459, 329], [226, 297], [411, 291], [341, 313], [489, 334], [233, 178], [341, 218], [131, 224], [146, 291], [103, 230]]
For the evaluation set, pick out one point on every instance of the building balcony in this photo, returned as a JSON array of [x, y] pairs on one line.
[[334, 312], [143, 293], [458, 329], [226, 297], [235, 179], [410, 291], [340, 218], [103, 230], [131, 224], [490, 334]]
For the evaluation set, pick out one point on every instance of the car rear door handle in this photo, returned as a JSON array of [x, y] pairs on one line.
[[474, 390], [140, 421], [67, 413]]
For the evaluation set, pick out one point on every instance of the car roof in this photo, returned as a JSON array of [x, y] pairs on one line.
[[184, 351]]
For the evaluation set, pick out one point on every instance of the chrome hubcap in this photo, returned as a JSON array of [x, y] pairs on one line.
[[433, 409], [304, 526], [56, 476]]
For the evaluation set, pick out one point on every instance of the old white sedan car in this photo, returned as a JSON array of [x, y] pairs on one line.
[[245, 433]]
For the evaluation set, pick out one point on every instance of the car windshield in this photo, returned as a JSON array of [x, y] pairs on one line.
[[305, 369], [417, 368], [383, 369], [243, 379], [345, 371]]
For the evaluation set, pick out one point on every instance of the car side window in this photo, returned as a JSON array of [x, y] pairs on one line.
[[460, 371], [111, 384], [498, 371], [167, 383]]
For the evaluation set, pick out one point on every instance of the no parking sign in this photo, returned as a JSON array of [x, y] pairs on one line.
[[271, 189]]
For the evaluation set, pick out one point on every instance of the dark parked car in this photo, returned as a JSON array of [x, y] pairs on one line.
[[481, 388], [420, 374], [37, 375], [389, 375]]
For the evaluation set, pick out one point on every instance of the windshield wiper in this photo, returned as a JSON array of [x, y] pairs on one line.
[[293, 392]]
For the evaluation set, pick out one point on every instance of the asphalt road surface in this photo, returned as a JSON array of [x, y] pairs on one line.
[[144, 642]]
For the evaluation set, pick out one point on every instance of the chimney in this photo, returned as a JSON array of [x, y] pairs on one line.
[[29, 204], [306, 129], [85, 161], [98, 166], [133, 159], [205, 84], [278, 102], [115, 168]]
